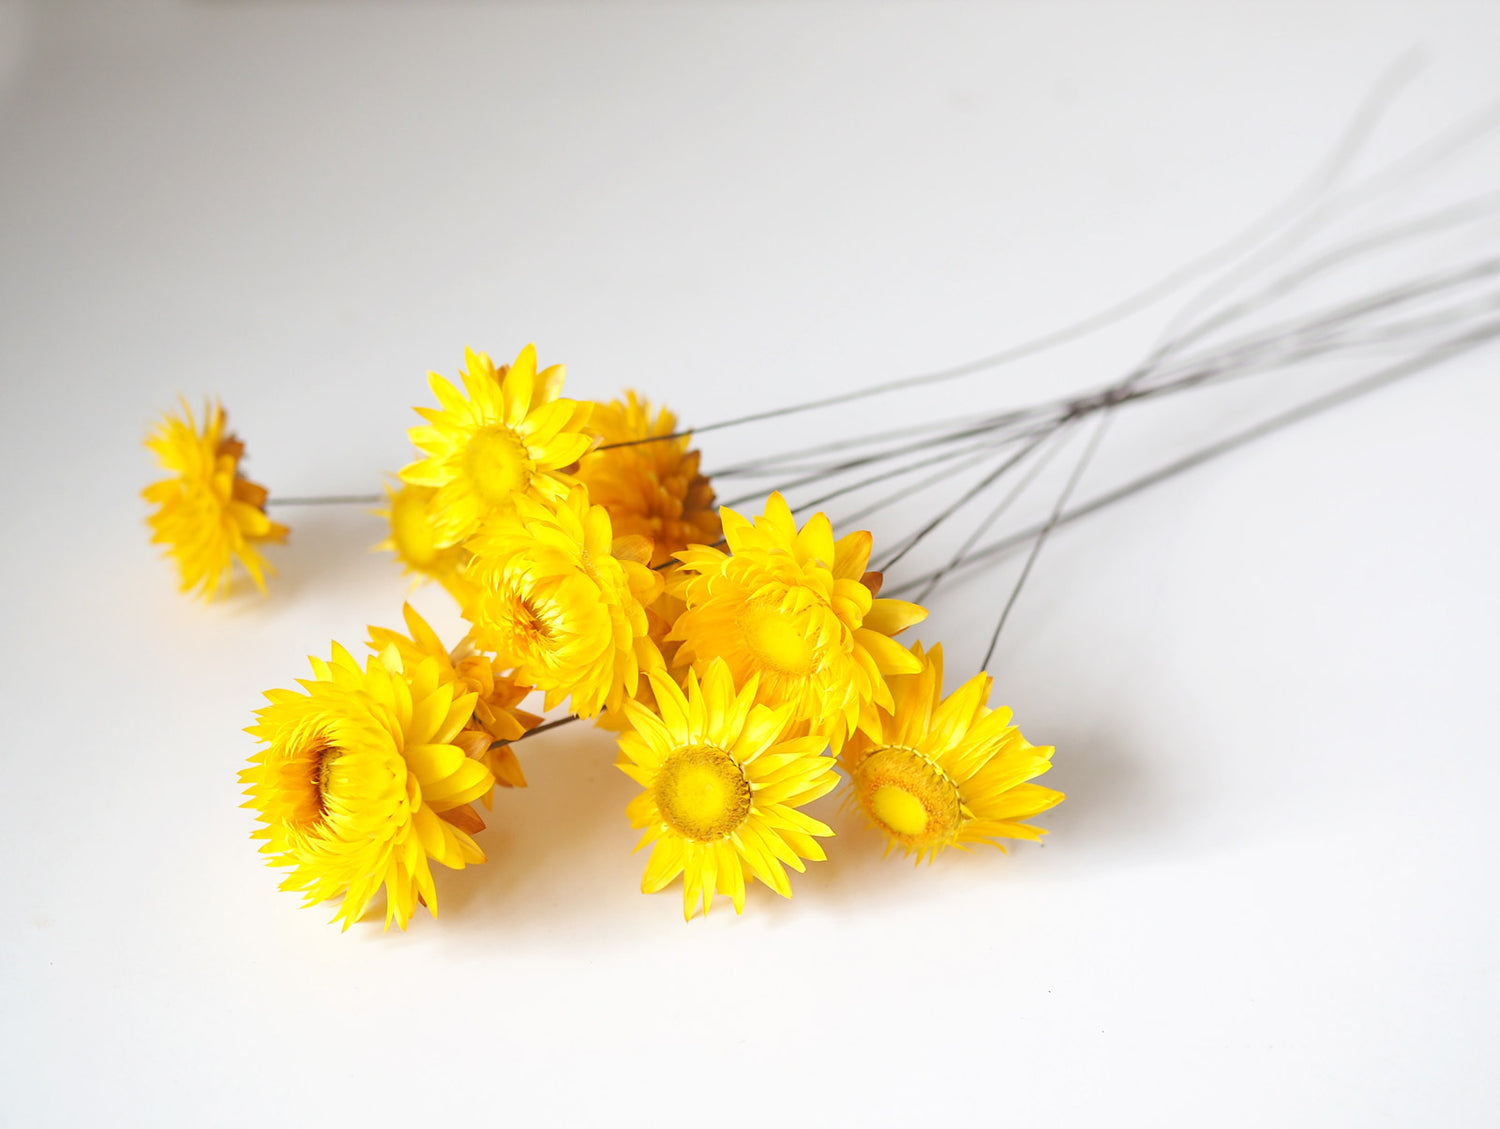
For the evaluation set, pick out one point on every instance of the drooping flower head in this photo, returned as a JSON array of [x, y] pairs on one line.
[[207, 514], [497, 718], [652, 489], [563, 602], [794, 610], [509, 437], [723, 788], [414, 538], [947, 771], [360, 785]]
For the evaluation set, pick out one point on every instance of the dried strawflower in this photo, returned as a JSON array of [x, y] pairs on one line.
[[789, 608], [947, 771], [414, 539], [497, 720], [207, 514], [723, 786], [653, 488], [361, 783], [510, 437], [563, 602]]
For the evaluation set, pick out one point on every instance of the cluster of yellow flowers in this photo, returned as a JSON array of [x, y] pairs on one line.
[[739, 659]]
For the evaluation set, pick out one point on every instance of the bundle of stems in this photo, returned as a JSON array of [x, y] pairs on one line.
[[1271, 305], [1307, 287]]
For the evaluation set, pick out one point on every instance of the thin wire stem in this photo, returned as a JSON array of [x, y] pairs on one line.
[[1354, 137], [328, 500], [1390, 375], [863, 461], [1051, 524], [1288, 341], [1064, 433], [953, 507], [543, 728], [910, 491], [779, 462], [987, 446]]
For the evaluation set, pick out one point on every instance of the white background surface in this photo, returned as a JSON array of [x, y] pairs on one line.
[[1270, 895]]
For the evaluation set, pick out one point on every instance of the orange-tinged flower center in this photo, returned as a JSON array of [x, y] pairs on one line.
[[302, 784], [321, 778], [777, 640], [497, 463], [530, 623], [701, 793], [516, 625], [908, 796]]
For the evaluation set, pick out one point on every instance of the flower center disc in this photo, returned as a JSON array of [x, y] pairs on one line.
[[413, 534], [517, 627], [900, 811], [702, 793], [907, 796], [303, 782], [776, 642], [497, 463]]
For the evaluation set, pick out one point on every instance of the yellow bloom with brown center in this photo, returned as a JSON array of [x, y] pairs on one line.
[[207, 514], [947, 771], [723, 788], [794, 609], [652, 489], [414, 539], [360, 784], [563, 602], [497, 720], [507, 435]]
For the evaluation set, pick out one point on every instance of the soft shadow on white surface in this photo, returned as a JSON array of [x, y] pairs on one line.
[[328, 546], [545, 845]]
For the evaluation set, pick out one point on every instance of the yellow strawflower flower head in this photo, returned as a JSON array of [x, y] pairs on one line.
[[791, 609], [207, 515], [414, 539], [722, 788], [651, 489], [564, 602], [496, 716], [947, 771], [361, 784], [510, 436]]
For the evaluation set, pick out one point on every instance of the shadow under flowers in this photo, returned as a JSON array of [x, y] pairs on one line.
[[328, 546], [556, 848], [560, 850], [1110, 807]]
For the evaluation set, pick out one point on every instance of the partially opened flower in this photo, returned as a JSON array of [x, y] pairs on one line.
[[790, 609], [361, 786], [947, 772], [207, 514], [723, 788], [414, 538], [563, 602], [497, 718], [507, 435], [653, 488]]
